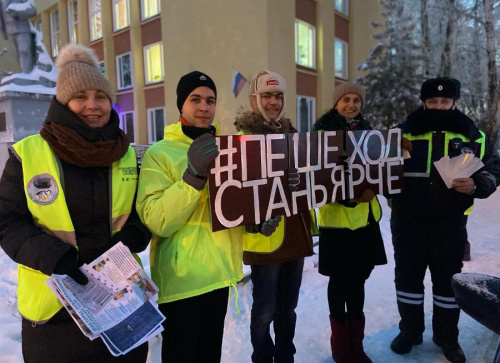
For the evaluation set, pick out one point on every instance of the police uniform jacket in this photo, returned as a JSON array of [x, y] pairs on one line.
[[435, 135]]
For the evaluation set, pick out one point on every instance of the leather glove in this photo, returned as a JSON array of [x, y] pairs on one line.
[[365, 197], [267, 228], [68, 265], [406, 144], [200, 154], [293, 179]]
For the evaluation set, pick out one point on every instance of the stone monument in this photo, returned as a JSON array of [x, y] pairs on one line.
[[24, 96]]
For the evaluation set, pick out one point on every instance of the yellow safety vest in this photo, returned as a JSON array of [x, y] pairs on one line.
[[47, 204], [256, 242], [336, 215], [448, 136]]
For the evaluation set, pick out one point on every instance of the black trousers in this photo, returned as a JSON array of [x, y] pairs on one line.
[[437, 244], [61, 340], [194, 328]]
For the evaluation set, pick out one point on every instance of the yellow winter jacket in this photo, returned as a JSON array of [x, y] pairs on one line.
[[187, 258]]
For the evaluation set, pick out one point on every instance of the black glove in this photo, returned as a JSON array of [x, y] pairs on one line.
[[68, 265], [267, 228], [131, 237], [293, 179], [200, 154]]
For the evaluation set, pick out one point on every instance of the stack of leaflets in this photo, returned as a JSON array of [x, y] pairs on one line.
[[462, 166], [118, 304]]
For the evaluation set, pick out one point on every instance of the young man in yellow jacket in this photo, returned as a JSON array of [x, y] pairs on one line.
[[193, 267]]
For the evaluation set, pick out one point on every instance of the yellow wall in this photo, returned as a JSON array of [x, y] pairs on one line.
[[361, 41], [216, 39], [8, 62], [217, 36]]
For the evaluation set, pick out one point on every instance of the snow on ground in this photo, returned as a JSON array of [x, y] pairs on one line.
[[313, 327]]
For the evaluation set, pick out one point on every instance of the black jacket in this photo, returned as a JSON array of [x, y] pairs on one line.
[[87, 195], [430, 196]]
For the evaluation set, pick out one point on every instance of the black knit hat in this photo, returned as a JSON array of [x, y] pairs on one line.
[[190, 82], [440, 87]]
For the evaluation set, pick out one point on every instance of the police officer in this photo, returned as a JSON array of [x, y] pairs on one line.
[[428, 223]]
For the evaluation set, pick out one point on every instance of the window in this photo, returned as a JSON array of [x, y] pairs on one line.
[[95, 19], [73, 21], [127, 125], [124, 71], [341, 59], [3, 122], [54, 32], [150, 8], [306, 113], [156, 124], [342, 6], [153, 62], [120, 14], [102, 68], [305, 44]]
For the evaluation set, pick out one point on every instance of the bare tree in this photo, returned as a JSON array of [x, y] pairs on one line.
[[491, 124], [445, 69], [426, 42]]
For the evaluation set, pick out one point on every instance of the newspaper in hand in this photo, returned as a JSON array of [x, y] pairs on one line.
[[118, 304]]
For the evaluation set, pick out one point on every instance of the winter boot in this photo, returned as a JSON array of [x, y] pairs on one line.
[[411, 325], [356, 326], [451, 349], [340, 341], [404, 341]]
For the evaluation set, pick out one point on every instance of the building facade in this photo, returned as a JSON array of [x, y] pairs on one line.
[[145, 46]]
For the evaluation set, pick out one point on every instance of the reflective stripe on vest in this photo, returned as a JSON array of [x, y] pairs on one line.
[[335, 215], [46, 202], [448, 136]]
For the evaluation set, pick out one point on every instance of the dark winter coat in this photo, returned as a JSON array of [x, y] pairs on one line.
[[298, 240], [88, 199], [430, 196], [344, 251]]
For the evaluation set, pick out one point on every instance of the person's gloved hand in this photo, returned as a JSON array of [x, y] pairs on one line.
[[293, 179], [406, 144], [68, 265], [200, 154], [267, 228], [365, 197]]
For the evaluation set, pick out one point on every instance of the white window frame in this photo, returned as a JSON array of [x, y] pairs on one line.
[[311, 45], [148, 61], [312, 113], [73, 21], [117, 15], [95, 19], [342, 6], [55, 32], [147, 10], [123, 124], [343, 58], [152, 123], [120, 80]]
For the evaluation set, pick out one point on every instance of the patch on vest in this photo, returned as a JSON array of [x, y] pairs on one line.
[[467, 150], [43, 189]]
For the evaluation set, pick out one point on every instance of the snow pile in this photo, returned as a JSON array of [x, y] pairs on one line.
[[313, 328]]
